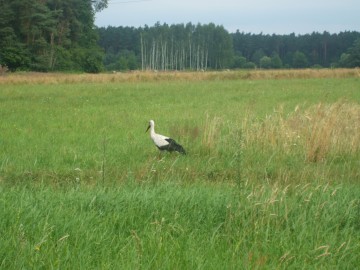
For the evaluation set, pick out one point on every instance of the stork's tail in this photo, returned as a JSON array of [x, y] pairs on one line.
[[174, 146], [179, 149]]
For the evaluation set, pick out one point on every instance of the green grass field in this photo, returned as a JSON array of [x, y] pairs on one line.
[[271, 179]]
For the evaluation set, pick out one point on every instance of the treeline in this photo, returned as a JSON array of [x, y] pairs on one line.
[[180, 47], [48, 35], [164, 47], [60, 35], [207, 46], [295, 51]]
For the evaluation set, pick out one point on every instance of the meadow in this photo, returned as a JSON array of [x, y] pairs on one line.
[[270, 181]]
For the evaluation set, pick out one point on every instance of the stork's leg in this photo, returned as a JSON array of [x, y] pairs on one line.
[[160, 156]]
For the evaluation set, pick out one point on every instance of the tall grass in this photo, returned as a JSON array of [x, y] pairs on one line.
[[93, 133], [149, 76], [168, 226], [270, 180], [320, 131]]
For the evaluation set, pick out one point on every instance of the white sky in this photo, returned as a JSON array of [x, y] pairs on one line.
[[254, 16]]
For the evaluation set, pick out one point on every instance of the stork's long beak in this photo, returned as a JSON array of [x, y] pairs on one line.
[[147, 129]]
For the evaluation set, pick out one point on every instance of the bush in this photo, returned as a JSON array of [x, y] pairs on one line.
[[300, 60], [250, 65]]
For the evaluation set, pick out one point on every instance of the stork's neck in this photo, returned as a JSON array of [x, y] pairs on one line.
[[152, 131]]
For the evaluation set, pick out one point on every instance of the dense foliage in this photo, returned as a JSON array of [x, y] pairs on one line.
[[295, 51], [46, 35], [54, 35], [201, 47], [163, 47]]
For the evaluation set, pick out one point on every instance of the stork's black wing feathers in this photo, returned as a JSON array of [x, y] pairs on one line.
[[174, 146]]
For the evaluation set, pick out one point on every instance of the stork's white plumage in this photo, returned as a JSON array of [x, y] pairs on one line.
[[162, 142]]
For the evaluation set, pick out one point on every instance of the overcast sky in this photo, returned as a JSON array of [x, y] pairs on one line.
[[254, 16]]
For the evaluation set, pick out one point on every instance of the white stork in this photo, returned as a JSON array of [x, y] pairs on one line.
[[163, 142]]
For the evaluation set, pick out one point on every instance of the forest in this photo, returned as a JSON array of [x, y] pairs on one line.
[[209, 46], [50, 35], [60, 35]]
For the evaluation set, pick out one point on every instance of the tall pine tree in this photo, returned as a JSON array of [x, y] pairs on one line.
[[45, 35]]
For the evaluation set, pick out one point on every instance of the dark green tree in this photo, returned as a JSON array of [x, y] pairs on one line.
[[265, 62], [99, 5], [344, 60], [47, 35], [276, 61], [257, 56], [300, 60], [239, 61], [13, 53], [354, 54]]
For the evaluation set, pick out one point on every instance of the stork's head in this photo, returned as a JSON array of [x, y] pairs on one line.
[[151, 124]]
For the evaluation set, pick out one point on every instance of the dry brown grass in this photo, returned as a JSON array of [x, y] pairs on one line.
[[317, 131], [3, 70], [334, 127], [149, 76], [210, 132]]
